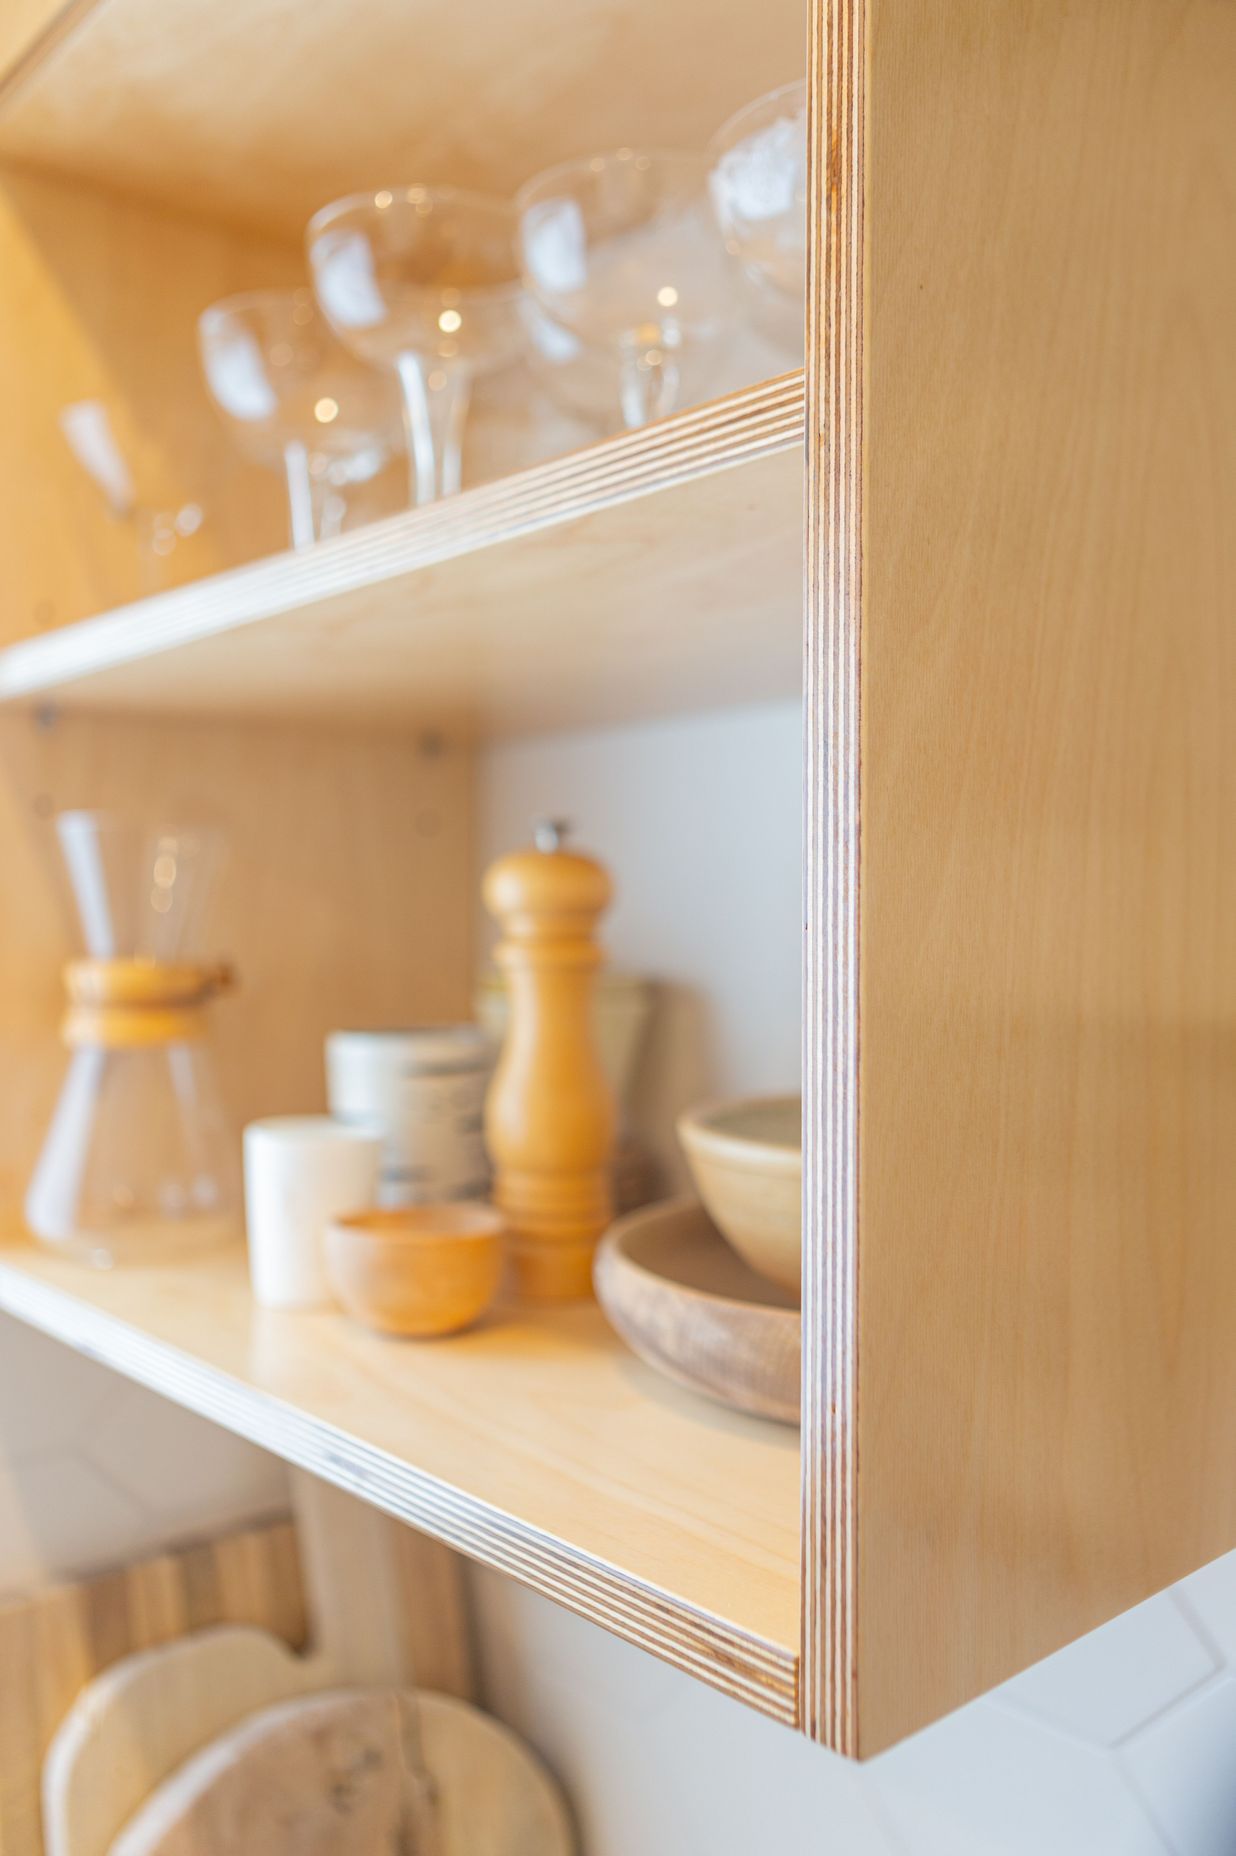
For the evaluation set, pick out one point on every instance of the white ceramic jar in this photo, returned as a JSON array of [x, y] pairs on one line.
[[300, 1172], [424, 1089]]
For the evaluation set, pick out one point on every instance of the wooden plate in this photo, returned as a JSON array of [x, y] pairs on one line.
[[688, 1305]]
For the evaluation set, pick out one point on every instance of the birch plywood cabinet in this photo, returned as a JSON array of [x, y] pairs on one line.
[[1013, 575]]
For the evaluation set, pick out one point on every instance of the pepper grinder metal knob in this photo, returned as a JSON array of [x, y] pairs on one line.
[[550, 1115]]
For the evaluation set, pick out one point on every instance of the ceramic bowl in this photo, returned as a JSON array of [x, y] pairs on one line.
[[418, 1270], [746, 1159]]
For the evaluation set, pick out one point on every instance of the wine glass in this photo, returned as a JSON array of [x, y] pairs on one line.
[[758, 183], [295, 398], [424, 280], [622, 250]]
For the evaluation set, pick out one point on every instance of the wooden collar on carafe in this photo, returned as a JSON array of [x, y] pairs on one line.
[[128, 1003]]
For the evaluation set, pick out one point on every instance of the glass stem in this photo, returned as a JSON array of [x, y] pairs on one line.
[[649, 384], [435, 407], [301, 500]]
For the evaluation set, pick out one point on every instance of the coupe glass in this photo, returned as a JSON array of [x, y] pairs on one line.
[[586, 383], [759, 194], [130, 471], [424, 280], [297, 400], [623, 251]]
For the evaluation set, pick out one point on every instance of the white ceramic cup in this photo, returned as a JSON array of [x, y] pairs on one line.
[[301, 1171]]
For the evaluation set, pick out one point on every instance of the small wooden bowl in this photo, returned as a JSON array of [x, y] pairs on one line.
[[420, 1270]]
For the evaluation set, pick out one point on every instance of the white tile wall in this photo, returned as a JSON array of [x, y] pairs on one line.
[[1184, 1769], [1119, 1677], [660, 1766], [1123, 1745], [94, 1471]]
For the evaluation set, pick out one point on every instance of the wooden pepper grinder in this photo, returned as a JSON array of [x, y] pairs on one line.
[[550, 1115]]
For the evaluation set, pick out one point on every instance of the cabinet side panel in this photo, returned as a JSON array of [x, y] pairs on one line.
[[1047, 1375]]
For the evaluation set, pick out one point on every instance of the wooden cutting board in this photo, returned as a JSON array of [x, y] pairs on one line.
[[54, 1642], [383, 1602], [320, 1776], [329, 1775]]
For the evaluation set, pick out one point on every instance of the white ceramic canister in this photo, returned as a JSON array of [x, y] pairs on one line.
[[424, 1088]]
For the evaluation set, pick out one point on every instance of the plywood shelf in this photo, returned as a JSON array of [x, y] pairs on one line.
[[536, 1444], [239, 112], [654, 573]]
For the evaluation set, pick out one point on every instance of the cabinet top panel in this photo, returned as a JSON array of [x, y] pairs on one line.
[[261, 112]]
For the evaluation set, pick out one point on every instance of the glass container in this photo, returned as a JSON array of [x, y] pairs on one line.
[[139, 1159]]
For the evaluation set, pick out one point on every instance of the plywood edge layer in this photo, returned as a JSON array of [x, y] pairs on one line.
[[761, 1674], [831, 682], [742, 429]]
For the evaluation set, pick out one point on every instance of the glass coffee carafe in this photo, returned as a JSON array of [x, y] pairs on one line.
[[139, 1159]]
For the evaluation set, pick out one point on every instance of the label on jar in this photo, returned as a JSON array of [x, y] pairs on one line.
[[430, 1116]]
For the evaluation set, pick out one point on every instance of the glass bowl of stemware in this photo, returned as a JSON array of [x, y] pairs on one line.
[[296, 400], [585, 383], [423, 281], [622, 250], [758, 184]]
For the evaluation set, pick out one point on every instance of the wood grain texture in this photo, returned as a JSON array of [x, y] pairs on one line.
[[648, 574], [99, 299], [54, 1641], [1046, 1396], [550, 1113], [130, 1729], [535, 1444], [344, 898], [321, 1775], [387, 1605], [836, 315], [323, 1778], [260, 127]]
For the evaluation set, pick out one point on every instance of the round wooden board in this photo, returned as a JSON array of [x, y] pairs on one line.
[[689, 1306], [324, 1775]]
